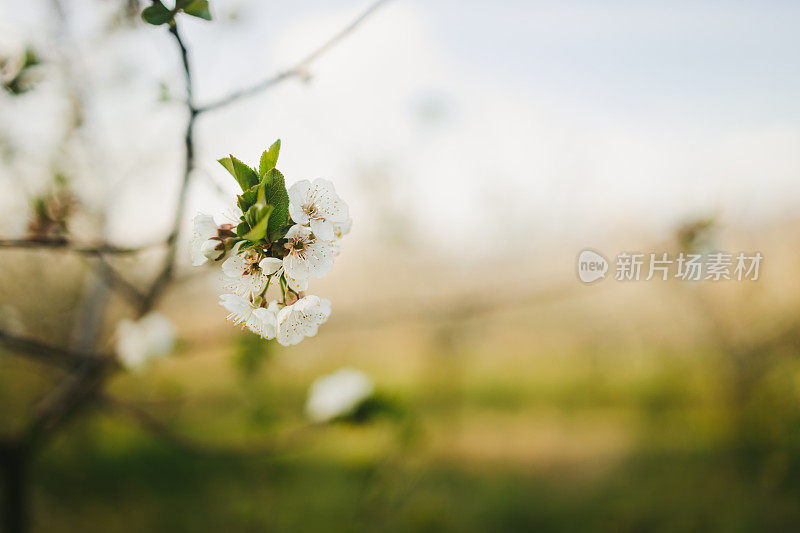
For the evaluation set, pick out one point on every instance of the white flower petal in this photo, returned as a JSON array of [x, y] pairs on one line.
[[240, 308], [320, 258], [204, 229], [322, 229], [196, 251], [270, 265], [205, 225], [340, 229], [298, 194], [234, 266], [302, 319], [263, 322], [210, 249], [297, 285], [295, 268], [307, 256]]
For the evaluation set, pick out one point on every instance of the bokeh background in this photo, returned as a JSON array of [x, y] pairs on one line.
[[480, 148]]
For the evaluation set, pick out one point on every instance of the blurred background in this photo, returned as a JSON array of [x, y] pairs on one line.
[[480, 148]]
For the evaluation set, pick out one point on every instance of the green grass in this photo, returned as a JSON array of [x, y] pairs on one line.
[[148, 487], [560, 447]]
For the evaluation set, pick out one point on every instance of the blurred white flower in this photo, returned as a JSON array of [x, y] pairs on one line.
[[257, 319], [302, 319], [203, 246], [12, 53], [317, 204], [141, 341], [307, 255], [338, 394]]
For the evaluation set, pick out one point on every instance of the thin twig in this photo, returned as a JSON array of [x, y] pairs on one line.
[[299, 70], [118, 281], [167, 270], [86, 383], [158, 428], [73, 393], [46, 353], [66, 244]]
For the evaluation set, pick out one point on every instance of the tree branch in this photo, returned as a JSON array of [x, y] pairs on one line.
[[74, 392], [66, 244], [299, 70], [164, 432], [40, 351], [167, 270], [118, 281]]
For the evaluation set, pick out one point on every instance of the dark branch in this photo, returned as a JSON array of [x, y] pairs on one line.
[[173, 29], [46, 353], [164, 432], [299, 70], [65, 244], [167, 270], [72, 394], [118, 281]]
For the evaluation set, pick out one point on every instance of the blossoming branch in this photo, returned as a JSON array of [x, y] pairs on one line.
[[281, 239]]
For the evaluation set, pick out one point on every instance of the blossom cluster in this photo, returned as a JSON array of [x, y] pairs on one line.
[[282, 239]]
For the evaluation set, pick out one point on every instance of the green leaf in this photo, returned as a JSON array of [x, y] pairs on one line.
[[269, 159], [196, 8], [228, 164], [278, 197], [247, 198], [251, 216], [246, 245], [242, 229], [278, 234], [157, 14], [244, 175], [259, 231]]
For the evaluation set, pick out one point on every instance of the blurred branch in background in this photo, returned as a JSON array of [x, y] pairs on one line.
[[300, 70], [74, 247]]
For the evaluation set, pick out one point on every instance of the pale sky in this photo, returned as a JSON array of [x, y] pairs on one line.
[[460, 120]]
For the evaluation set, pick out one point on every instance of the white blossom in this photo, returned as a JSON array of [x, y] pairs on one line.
[[259, 320], [316, 203], [245, 272], [338, 394], [203, 246], [302, 319], [143, 340], [307, 255]]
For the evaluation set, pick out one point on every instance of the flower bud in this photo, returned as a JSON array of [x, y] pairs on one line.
[[212, 249]]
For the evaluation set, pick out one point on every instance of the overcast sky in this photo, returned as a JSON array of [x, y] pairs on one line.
[[542, 120]]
